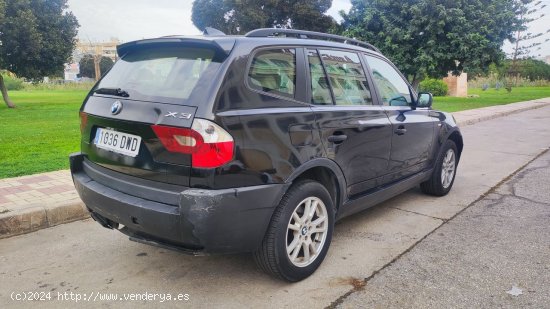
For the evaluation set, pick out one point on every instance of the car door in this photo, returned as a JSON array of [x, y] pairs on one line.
[[276, 122], [355, 132], [413, 129]]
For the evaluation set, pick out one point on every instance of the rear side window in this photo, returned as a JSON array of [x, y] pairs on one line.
[[320, 89], [347, 78], [394, 91], [160, 73], [274, 71]]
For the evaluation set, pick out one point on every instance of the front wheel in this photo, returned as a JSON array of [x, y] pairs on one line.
[[443, 176], [299, 234]]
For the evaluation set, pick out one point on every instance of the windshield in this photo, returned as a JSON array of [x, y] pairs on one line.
[[161, 74]]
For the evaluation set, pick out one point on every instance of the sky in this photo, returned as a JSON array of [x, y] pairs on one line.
[[128, 20]]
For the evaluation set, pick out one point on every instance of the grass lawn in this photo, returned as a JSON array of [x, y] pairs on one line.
[[40, 133], [43, 130], [490, 97]]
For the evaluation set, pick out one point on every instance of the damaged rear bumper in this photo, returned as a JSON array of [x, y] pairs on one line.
[[201, 222]]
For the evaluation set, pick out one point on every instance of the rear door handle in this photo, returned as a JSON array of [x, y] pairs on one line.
[[337, 139], [401, 130]]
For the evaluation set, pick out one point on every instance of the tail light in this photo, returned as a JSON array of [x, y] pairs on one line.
[[208, 144], [83, 121]]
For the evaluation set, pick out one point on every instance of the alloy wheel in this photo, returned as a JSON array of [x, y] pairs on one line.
[[307, 231], [448, 168]]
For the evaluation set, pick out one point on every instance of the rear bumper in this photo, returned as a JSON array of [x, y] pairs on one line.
[[202, 221]]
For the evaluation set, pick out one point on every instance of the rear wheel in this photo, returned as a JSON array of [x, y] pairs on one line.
[[299, 234], [443, 176]]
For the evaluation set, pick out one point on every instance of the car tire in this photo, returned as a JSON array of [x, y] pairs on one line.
[[291, 233], [444, 173]]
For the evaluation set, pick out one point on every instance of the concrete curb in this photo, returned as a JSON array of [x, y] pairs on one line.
[[467, 117], [37, 216]]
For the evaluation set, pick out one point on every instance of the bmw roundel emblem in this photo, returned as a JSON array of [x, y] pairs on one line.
[[116, 108]]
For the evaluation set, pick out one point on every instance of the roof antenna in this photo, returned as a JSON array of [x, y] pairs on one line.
[[212, 31]]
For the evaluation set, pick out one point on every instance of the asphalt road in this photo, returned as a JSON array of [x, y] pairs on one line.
[[472, 261], [86, 259]]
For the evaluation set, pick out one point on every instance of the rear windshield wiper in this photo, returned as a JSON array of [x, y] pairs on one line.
[[112, 91]]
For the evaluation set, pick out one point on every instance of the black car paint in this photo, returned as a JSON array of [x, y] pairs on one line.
[[364, 155], [412, 147], [277, 140]]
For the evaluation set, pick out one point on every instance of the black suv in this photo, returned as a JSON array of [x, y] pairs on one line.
[[255, 143]]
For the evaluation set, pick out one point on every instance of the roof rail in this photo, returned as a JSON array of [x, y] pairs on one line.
[[302, 34]]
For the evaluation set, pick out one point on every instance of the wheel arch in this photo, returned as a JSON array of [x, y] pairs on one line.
[[456, 137], [326, 172]]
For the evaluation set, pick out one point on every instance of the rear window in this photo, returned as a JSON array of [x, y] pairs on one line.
[[161, 74]]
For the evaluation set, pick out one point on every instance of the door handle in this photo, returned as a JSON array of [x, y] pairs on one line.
[[400, 130], [337, 139]]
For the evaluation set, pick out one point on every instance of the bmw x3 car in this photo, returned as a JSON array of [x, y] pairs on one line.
[[257, 143]]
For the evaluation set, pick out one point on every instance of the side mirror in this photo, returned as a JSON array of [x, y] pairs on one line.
[[425, 99]]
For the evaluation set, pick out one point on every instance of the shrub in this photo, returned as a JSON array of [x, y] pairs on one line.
[[13, 83], [436, 86]]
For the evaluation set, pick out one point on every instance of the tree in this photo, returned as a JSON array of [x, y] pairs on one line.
[[432, 37], [529, 68], [87, 66], [524, 43], [241, 16], [36, 38]]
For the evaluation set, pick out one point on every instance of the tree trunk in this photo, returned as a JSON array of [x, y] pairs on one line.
[[5, 95], [97, 68], [416, 82]]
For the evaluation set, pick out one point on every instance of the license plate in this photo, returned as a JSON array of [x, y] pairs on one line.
[[123, 143]]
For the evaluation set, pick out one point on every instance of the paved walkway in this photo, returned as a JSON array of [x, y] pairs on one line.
[[38, 201], [26, 191], [34, 202]]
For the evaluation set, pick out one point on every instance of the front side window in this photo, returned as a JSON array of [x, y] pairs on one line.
[[274, 71], [394, 91], [347, 78]]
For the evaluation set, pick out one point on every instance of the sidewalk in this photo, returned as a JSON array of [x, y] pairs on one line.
[[472, 116], [34, 202]]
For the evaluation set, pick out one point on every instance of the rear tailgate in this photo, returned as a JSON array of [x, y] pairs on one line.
[[156, 86], [150, 159]]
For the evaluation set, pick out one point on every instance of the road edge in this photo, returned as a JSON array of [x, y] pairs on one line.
[[490, 112], [37, 217]]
